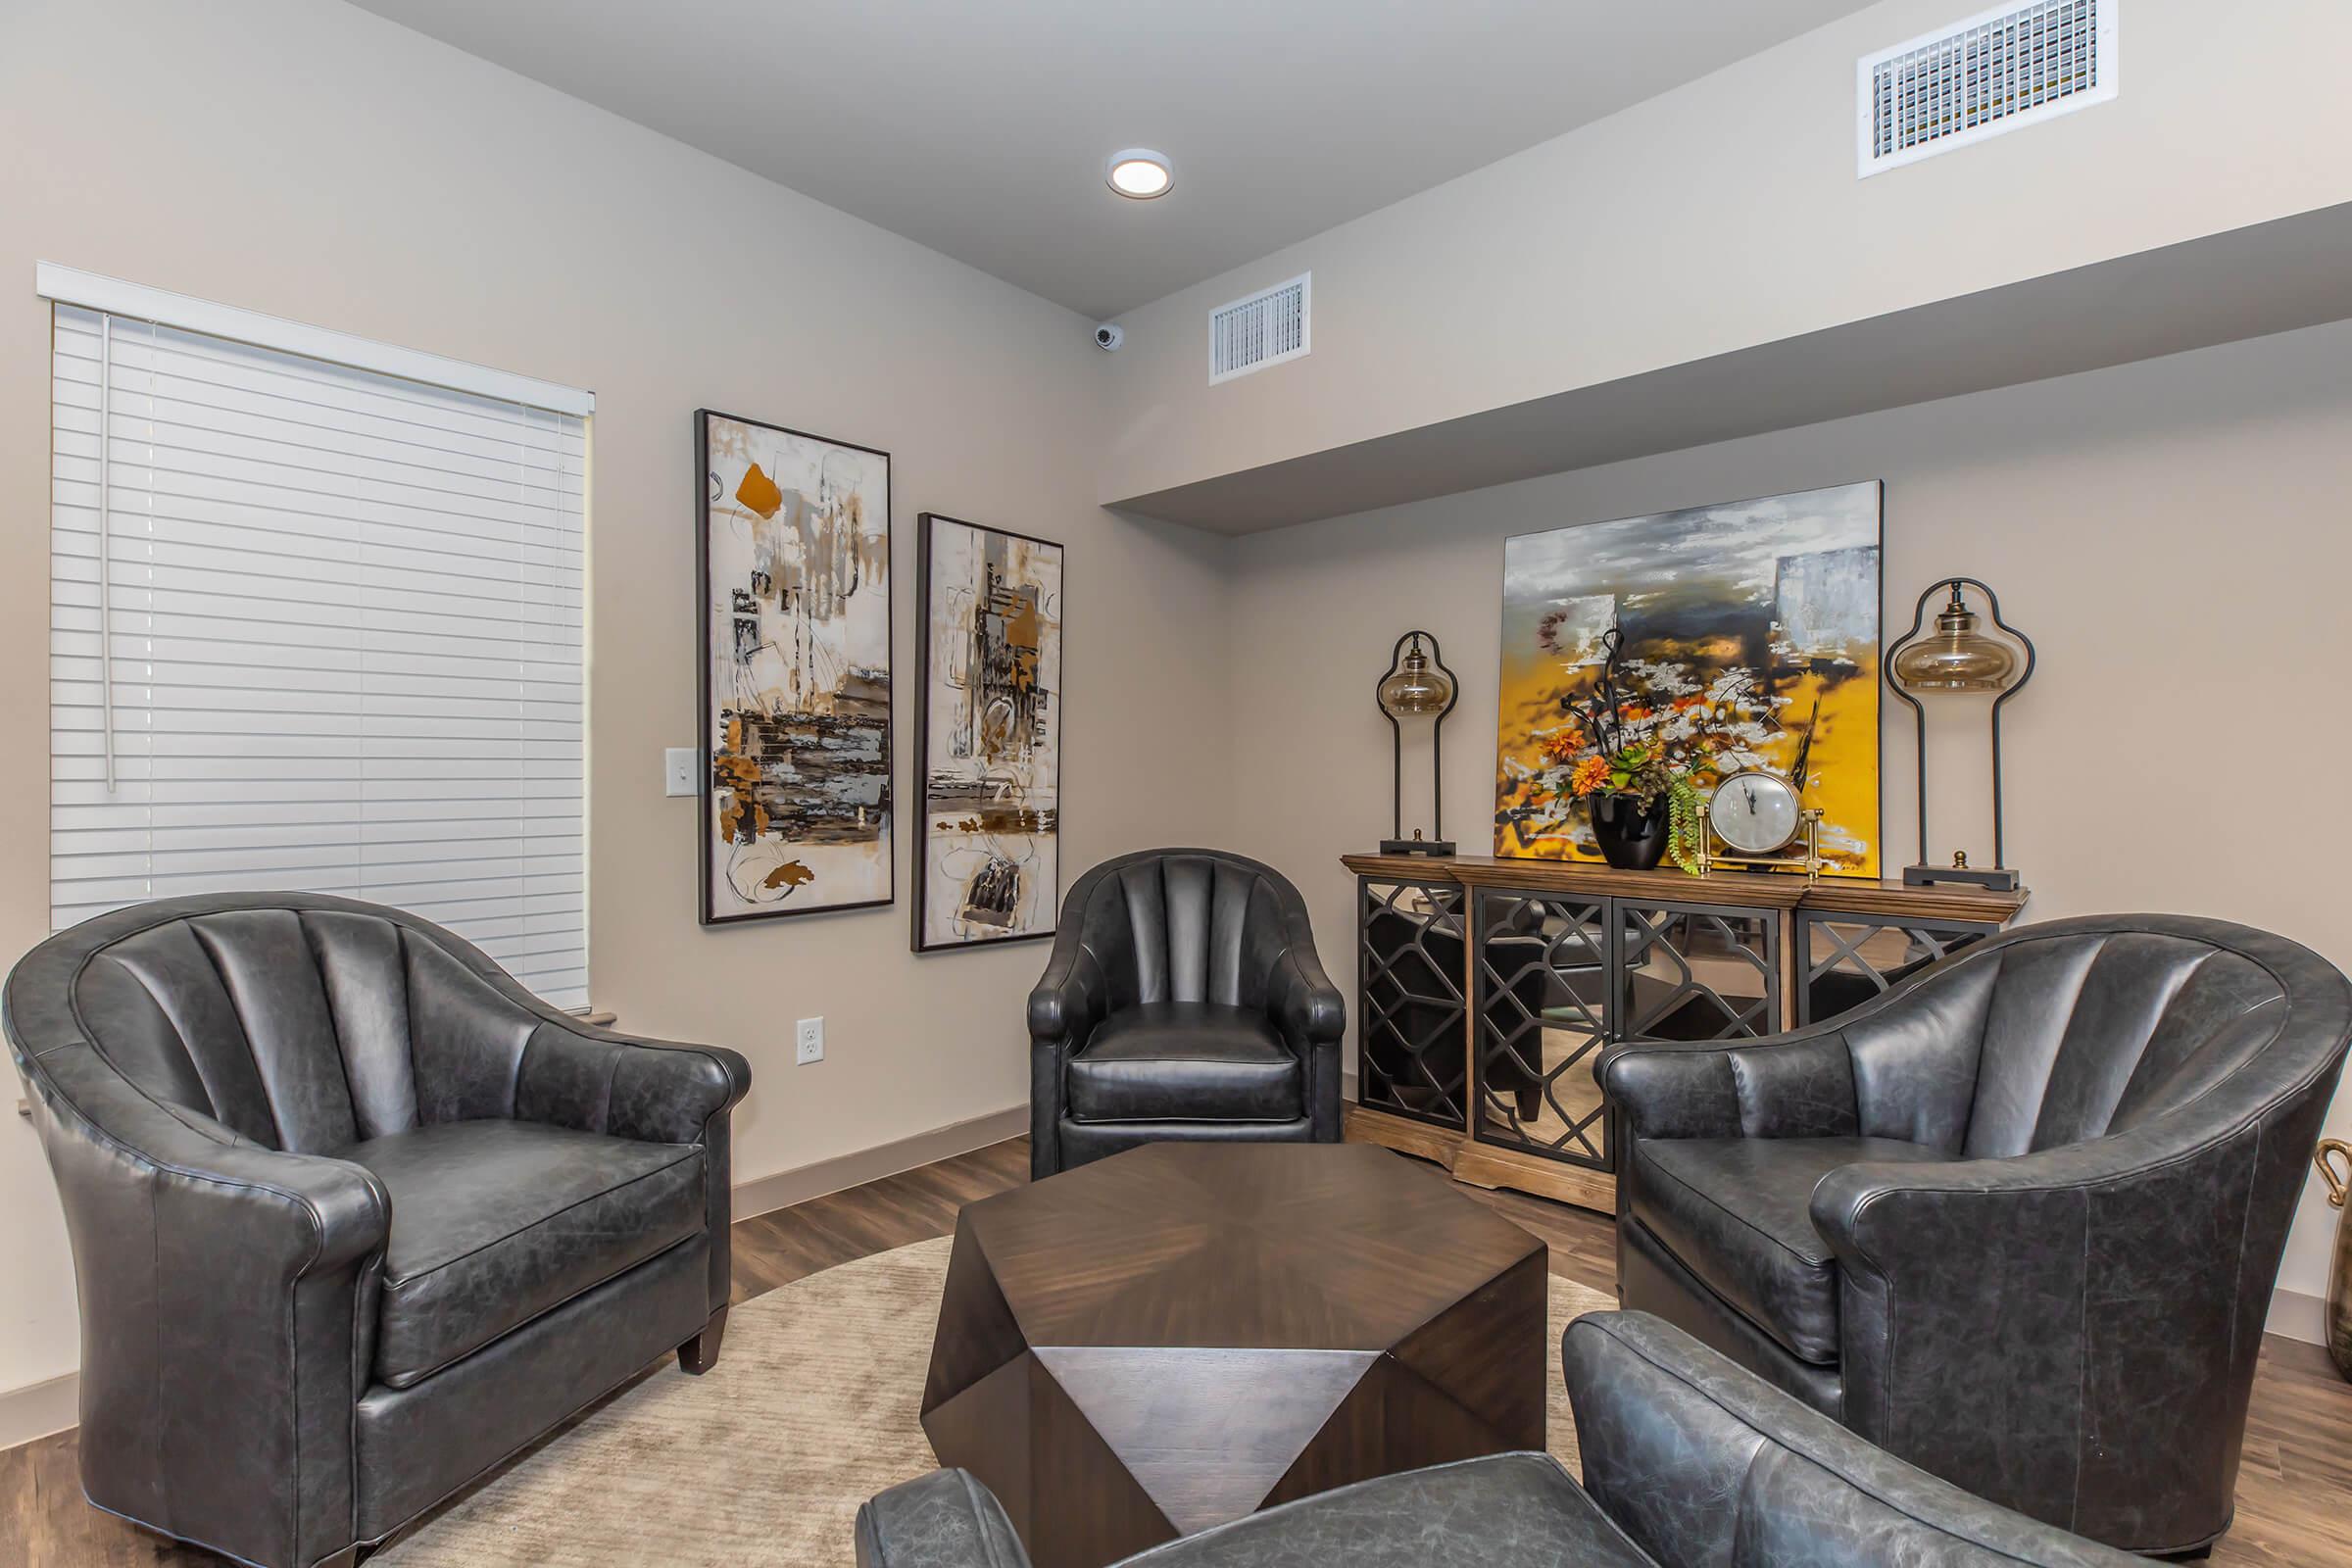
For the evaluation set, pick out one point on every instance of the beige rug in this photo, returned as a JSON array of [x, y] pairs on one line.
[[811, 1410]]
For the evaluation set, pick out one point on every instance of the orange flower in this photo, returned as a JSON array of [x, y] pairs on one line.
[[1590, 775], [1633, 713], [1684, 705], [1561, 745]]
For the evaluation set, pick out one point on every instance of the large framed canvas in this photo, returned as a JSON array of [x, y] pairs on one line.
[[793, 588], [988, 852], [1775, 600]]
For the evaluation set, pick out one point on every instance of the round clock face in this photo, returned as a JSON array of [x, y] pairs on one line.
[[1754, 812]]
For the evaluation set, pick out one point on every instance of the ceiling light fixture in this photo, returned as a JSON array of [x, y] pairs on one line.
[[1139, 173]]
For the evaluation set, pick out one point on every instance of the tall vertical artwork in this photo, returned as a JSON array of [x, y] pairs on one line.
[[988, 867], [1772, 602], [795, 590]]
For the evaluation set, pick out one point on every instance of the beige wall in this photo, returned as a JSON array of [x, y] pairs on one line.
[[2173, 535], [309, 161], [300, 158], [1726, 213]]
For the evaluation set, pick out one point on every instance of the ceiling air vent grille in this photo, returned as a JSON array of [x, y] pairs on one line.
[[1267, 328], [1998, 72]]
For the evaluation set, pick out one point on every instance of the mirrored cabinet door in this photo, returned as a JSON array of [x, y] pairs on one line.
[[1541, 977], [1411, 1014], [1847, 959], [1697, 972]]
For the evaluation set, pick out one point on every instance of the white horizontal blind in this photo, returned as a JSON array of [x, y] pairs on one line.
[[343, 627]]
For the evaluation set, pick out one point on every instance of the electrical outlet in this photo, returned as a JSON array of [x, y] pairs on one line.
[[677, 771], [808, 1042]]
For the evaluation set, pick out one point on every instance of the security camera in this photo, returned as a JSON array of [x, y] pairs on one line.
[[1109, 335]]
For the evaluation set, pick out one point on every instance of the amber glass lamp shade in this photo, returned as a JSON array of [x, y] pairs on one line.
[[1958, 658], [1416, 688]]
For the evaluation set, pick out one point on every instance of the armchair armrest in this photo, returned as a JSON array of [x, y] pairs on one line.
[[578, 1075], [1904, 1224], [1796, 1085], [1691, 1455], [485, 1046], [1068, 1001], [942, 1520], [1070, 997], [1309, 1012], [2099, 1262], [1307, 1005], [221, 1277], [316, 1214]]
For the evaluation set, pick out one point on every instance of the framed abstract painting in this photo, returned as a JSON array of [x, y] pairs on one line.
[[794, 588], [988, 850], [1759, 617]]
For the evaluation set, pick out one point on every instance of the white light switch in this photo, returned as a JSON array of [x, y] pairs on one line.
[[677, 771]]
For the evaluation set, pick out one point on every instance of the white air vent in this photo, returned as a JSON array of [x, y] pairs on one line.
[[1267, 328], [1998, 72]]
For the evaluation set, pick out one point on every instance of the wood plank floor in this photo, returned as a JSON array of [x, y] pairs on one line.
[[2294, 1496]]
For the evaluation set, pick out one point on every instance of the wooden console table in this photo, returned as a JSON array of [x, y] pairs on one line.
[[1485, 988]]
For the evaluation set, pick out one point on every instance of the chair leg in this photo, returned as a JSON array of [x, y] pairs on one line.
[[700, 1354]]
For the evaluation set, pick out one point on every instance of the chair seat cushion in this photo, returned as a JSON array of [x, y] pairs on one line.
[[1737, 1212], [495, 1222], [1185, 1062]]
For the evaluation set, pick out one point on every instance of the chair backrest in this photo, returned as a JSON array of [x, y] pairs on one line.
[[301, 1022], [2063, 1032], [1187, 925], [1705, 1465]]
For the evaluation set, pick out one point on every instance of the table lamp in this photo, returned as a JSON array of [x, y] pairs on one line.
[[1959, 656], [1418, 685]]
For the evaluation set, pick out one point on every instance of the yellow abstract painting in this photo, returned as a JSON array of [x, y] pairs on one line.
[[1776, 597]]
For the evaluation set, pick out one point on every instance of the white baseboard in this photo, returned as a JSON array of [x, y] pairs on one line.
[[38, 1409]]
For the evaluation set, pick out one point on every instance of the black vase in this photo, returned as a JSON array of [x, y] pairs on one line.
[[1632, 838]]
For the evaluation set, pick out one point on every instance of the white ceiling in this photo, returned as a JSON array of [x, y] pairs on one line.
[[980, 129]]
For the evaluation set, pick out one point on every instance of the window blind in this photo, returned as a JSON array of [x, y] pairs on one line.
[[314, 629]]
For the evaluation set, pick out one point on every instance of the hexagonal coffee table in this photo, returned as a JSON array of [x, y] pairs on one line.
[[1186, 1333]]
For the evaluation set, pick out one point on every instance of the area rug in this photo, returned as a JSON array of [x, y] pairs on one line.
[[811, 1409]]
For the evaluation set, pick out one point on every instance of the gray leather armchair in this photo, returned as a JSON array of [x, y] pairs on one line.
[[2016, 1220], [1183, 1001], [355, 1217], [1689, 1462]]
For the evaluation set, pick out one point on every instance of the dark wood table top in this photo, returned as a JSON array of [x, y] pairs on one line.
[[1735, 885], [1241, 1245]]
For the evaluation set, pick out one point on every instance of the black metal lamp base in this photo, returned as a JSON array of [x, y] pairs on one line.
[[1998, 879], [1434, 848]]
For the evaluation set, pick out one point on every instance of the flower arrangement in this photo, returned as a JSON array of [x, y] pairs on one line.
[[1647, 731]]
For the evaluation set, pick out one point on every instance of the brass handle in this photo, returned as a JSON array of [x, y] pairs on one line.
[[2337, 1185]]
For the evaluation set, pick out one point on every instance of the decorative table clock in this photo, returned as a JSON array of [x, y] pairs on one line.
[[1758, 816]]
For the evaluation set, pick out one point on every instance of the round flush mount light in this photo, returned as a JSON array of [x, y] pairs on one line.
[[1139, 173]]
